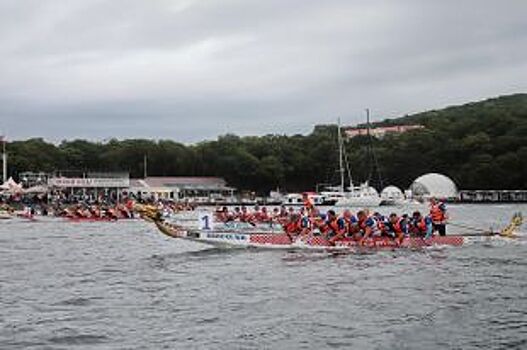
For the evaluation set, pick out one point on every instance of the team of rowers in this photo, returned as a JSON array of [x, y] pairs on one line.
[[308, 220]]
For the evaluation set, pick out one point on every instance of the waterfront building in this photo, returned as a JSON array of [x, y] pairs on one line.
[[193, 189], [87, 186], [31, 179]]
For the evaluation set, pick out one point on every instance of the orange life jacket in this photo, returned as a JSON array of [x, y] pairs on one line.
[[437, 215]]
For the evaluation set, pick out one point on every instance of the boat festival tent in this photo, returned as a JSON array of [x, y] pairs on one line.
[[434, 185], [11, 186], [392, 193]]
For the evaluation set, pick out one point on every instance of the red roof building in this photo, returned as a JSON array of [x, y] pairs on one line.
[[381, 131]]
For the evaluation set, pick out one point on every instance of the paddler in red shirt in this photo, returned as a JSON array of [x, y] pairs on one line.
[[256, 214], [292, 227], [264, 215]]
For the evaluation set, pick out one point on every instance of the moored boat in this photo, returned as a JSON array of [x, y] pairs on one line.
[[4, 215]]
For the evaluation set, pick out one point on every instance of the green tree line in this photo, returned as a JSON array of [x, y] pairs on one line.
[[480, 145]]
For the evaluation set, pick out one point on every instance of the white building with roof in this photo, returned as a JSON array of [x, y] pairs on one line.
[[182, 188]]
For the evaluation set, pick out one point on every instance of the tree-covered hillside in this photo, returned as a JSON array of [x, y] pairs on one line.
[[480, 145]]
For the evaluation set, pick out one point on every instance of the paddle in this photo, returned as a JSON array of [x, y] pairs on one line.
[[508, 231]]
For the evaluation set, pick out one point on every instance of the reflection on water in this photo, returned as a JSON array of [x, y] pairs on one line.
[[124, 286]]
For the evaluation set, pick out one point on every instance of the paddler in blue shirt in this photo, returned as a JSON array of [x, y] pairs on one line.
[[368, 225]]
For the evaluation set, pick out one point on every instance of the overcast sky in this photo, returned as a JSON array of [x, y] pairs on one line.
[[194, 69]]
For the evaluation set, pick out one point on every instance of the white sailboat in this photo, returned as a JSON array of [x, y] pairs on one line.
[[354, 196]]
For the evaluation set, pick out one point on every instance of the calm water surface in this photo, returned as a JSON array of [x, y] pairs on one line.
[[124, 286]]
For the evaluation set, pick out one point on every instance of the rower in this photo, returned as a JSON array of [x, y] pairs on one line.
[[304, 224], [308, 202], [264, 216], [237, 214], [421, 225], [397, 227], [439, 216], [283, 211], [256, 214], [368, 225], [292, 228], [352, 223], [336, 227], [224, 215], [245, 215], [318, 223], [275, 216]]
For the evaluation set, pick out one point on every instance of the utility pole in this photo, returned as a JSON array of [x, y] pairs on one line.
[[145, 167], [4, 160], [368, 148], [374, 167]]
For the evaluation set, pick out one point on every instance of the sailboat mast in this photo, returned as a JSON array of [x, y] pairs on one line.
[[4, 159], [368, 148], [341, 157]]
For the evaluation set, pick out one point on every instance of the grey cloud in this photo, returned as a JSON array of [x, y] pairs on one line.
[[193, 69]]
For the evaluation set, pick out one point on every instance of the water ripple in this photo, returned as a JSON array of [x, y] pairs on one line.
[[124, 286]]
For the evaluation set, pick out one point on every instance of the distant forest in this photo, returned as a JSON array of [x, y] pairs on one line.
[[480, 145]]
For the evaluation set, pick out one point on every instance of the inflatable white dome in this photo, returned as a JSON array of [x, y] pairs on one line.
[[392, 192], [434, 185]]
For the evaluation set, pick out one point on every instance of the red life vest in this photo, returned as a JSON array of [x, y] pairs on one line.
[[421, 225], [380, 225], [397, 227], [291, 227], [264, 216], [334, 226], [245, 217]]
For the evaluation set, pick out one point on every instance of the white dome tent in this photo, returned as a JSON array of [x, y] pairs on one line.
[[392, 195], [434, 185]]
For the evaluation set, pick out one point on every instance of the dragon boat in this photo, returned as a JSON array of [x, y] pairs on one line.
[[284, 241]]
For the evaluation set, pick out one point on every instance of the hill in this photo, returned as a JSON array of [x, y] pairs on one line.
[[480, 145]]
